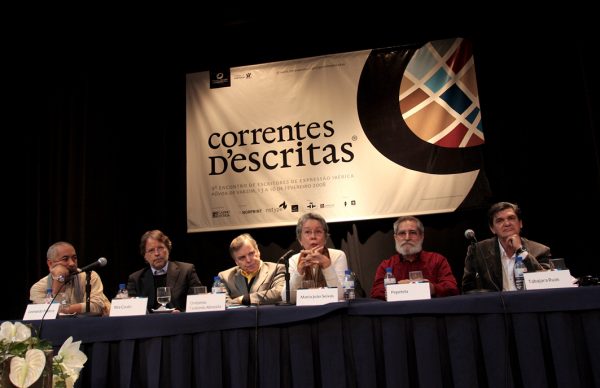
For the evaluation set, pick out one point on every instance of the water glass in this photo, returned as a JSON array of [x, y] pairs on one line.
[[415, 276], [63, 299], [557, 264], [197, 290], [163, 296], [309, 283]]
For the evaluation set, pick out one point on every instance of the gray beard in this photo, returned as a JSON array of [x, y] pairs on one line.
[[408, 249]]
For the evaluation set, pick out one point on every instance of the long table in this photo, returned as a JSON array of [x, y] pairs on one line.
[[538, 338]]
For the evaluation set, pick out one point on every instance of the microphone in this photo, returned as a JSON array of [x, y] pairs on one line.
[[470, 235], [101, 262], [285, 256]]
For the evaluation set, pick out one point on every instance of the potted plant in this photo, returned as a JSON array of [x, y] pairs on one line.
[[28, 361]]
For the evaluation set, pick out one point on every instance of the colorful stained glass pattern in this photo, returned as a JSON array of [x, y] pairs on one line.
[[438, 95]]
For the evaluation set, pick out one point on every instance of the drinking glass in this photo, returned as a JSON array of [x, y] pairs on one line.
[[415, 276], [63, 299], [163, 296], [308, 283], [197, 290], [557, 264]]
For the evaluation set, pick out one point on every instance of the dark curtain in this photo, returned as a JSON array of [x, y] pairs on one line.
[[94, 144]]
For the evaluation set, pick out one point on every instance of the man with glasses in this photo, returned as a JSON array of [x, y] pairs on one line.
[[63, 279], [409, 234], [155, 247]]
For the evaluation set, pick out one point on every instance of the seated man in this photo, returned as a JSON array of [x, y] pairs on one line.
[[489, 264], [251, 281], [155, 247], [409, 234], [64, 278]]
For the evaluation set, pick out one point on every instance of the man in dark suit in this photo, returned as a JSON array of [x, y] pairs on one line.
[[251, 281], [156, 247], [489, 264]]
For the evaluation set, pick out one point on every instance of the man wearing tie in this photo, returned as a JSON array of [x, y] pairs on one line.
[[155, 247], [251, 280]]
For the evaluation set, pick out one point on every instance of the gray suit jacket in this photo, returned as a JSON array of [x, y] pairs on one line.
[[266, 288], [483, 266], [180, 277]]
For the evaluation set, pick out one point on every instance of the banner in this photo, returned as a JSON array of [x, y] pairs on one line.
[[359, 135]]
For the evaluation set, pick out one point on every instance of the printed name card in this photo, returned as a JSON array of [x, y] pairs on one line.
[[128, 307], [35, 312], [410, 291], [316, 296], [548, 279], [205, 302]]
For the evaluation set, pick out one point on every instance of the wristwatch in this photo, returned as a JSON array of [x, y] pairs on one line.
[[59, 278]]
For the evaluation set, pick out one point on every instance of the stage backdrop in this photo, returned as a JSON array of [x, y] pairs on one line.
[[359, 135]]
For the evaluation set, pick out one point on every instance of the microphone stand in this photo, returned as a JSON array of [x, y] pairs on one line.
[[287, 301], [479, 289], [477, 277], [88, 291]]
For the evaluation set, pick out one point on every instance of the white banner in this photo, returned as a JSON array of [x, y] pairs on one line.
[[360, 135]]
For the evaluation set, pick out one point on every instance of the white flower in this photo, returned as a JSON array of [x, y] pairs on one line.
[[14, 333], [26, 371], [28, 357], [71, 358], [69, 381]]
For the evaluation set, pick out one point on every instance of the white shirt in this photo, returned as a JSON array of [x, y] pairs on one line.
[[334, 274], [162, 271], [508, 269]]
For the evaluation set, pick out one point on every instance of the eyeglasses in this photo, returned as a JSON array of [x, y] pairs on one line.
[[410, 233], [65, 259], [316, 232], [158, 250]]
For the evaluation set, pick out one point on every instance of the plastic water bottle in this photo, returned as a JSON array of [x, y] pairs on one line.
[[122, 293], [388, 279], [348, 285], [218, 287], [48, 297], [520, 268]]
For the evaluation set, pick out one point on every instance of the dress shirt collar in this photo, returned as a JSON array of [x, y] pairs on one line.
[[162, 271]]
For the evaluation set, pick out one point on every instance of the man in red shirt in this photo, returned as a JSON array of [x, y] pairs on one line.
[[409, 234]]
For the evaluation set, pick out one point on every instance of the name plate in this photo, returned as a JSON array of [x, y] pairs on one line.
[[316, 296], [205, 302], [410, 291], [128, 307], [548, 279], [35, 312]]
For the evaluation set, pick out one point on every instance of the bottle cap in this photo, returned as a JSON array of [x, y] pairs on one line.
[[121, 286], [348, 272], [388, 269]]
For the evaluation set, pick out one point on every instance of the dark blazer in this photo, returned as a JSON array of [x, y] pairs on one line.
[[180, 277], [483, 266]]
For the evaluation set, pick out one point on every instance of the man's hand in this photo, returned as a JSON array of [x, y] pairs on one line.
[[59, 271]]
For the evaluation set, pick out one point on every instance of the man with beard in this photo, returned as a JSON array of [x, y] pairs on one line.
[[409, 234]]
